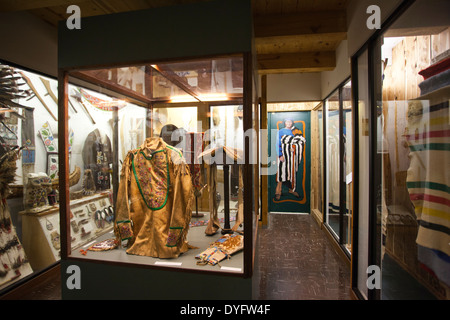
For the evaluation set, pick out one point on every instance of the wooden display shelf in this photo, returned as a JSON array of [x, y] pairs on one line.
[[40, 225]]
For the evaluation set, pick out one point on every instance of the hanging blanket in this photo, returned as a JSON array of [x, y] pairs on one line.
[[428, 179], [292, 150]]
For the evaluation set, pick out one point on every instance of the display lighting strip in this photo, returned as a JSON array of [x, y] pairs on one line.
[[202, 97]]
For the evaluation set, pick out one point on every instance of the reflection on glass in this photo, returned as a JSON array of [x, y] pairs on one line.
[[95, 126], [317, 160], [339, 164], [27, 218], [227, 132], [321, 158], [219, 79], [414, 125], [333, 162], [363, 172], [163, 154], [347, 142], [208, 80]]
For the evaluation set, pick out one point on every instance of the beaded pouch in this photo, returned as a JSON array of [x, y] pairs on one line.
[[125, 230], [173, 236], [212, 256]]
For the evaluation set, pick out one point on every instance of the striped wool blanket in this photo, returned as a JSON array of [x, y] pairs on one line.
[[292, 151], [428, 179]]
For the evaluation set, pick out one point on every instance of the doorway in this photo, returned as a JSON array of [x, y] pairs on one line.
[[290, 140]]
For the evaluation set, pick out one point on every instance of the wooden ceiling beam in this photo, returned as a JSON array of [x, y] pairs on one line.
[[300, 24], [22, 5], [296, 62], [299, 43]]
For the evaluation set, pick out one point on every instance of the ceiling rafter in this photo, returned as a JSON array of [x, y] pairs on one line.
[[290, 35]]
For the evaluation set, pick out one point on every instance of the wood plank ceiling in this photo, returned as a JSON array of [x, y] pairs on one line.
[[290, 35]]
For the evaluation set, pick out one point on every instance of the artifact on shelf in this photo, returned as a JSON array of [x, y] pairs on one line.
[[88, 184], [37, 190], [220, 249], [227, 156], [98, 156], [104, 245]]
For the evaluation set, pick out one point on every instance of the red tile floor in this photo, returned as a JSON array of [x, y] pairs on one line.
[[296, 261]]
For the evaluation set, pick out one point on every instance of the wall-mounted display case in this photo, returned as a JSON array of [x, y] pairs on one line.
[[339, 161], [170, 142], [400, 82]]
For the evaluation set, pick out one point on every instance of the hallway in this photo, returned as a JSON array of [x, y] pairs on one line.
[[296, 261]]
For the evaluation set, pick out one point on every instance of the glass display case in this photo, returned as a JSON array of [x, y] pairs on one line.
[[413, 135], [181, 184], [162, 167], [339, 163], [401, 131], [29, 215], [317, 162]]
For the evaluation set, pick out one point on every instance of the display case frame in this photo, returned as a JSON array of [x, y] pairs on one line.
[[374, 194], [71, 70]]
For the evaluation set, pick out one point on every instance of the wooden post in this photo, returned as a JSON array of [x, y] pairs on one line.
[[115, 168], [264, 178], [63, 158]]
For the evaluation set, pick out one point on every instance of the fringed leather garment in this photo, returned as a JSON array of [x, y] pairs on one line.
[[154, 201]]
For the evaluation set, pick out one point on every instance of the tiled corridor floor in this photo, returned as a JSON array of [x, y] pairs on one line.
[[296, 261]]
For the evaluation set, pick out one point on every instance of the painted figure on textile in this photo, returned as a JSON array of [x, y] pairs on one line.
[[289, 146], [155, 200]]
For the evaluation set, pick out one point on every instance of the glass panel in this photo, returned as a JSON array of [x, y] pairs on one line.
[[162, 166], [317, 161], [254, 159], [208, 80], [339, 164], [347, 141], [363, 172], [132, 79], [333, 162], [103, 128], [227, 130], [292, 106], [415, 126], [321, 159], [217, 79], [29, 219]]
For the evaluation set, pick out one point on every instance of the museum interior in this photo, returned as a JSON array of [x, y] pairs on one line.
[[298, 149]]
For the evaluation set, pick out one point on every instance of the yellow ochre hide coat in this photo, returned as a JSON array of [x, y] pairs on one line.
[[154, 201]]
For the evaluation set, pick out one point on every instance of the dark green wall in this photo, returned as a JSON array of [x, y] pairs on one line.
[[191, 30], [105, 281]]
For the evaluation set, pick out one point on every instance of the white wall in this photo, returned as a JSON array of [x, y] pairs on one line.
[[357, 31], [29, 42], [293, 87], [331, 79]]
